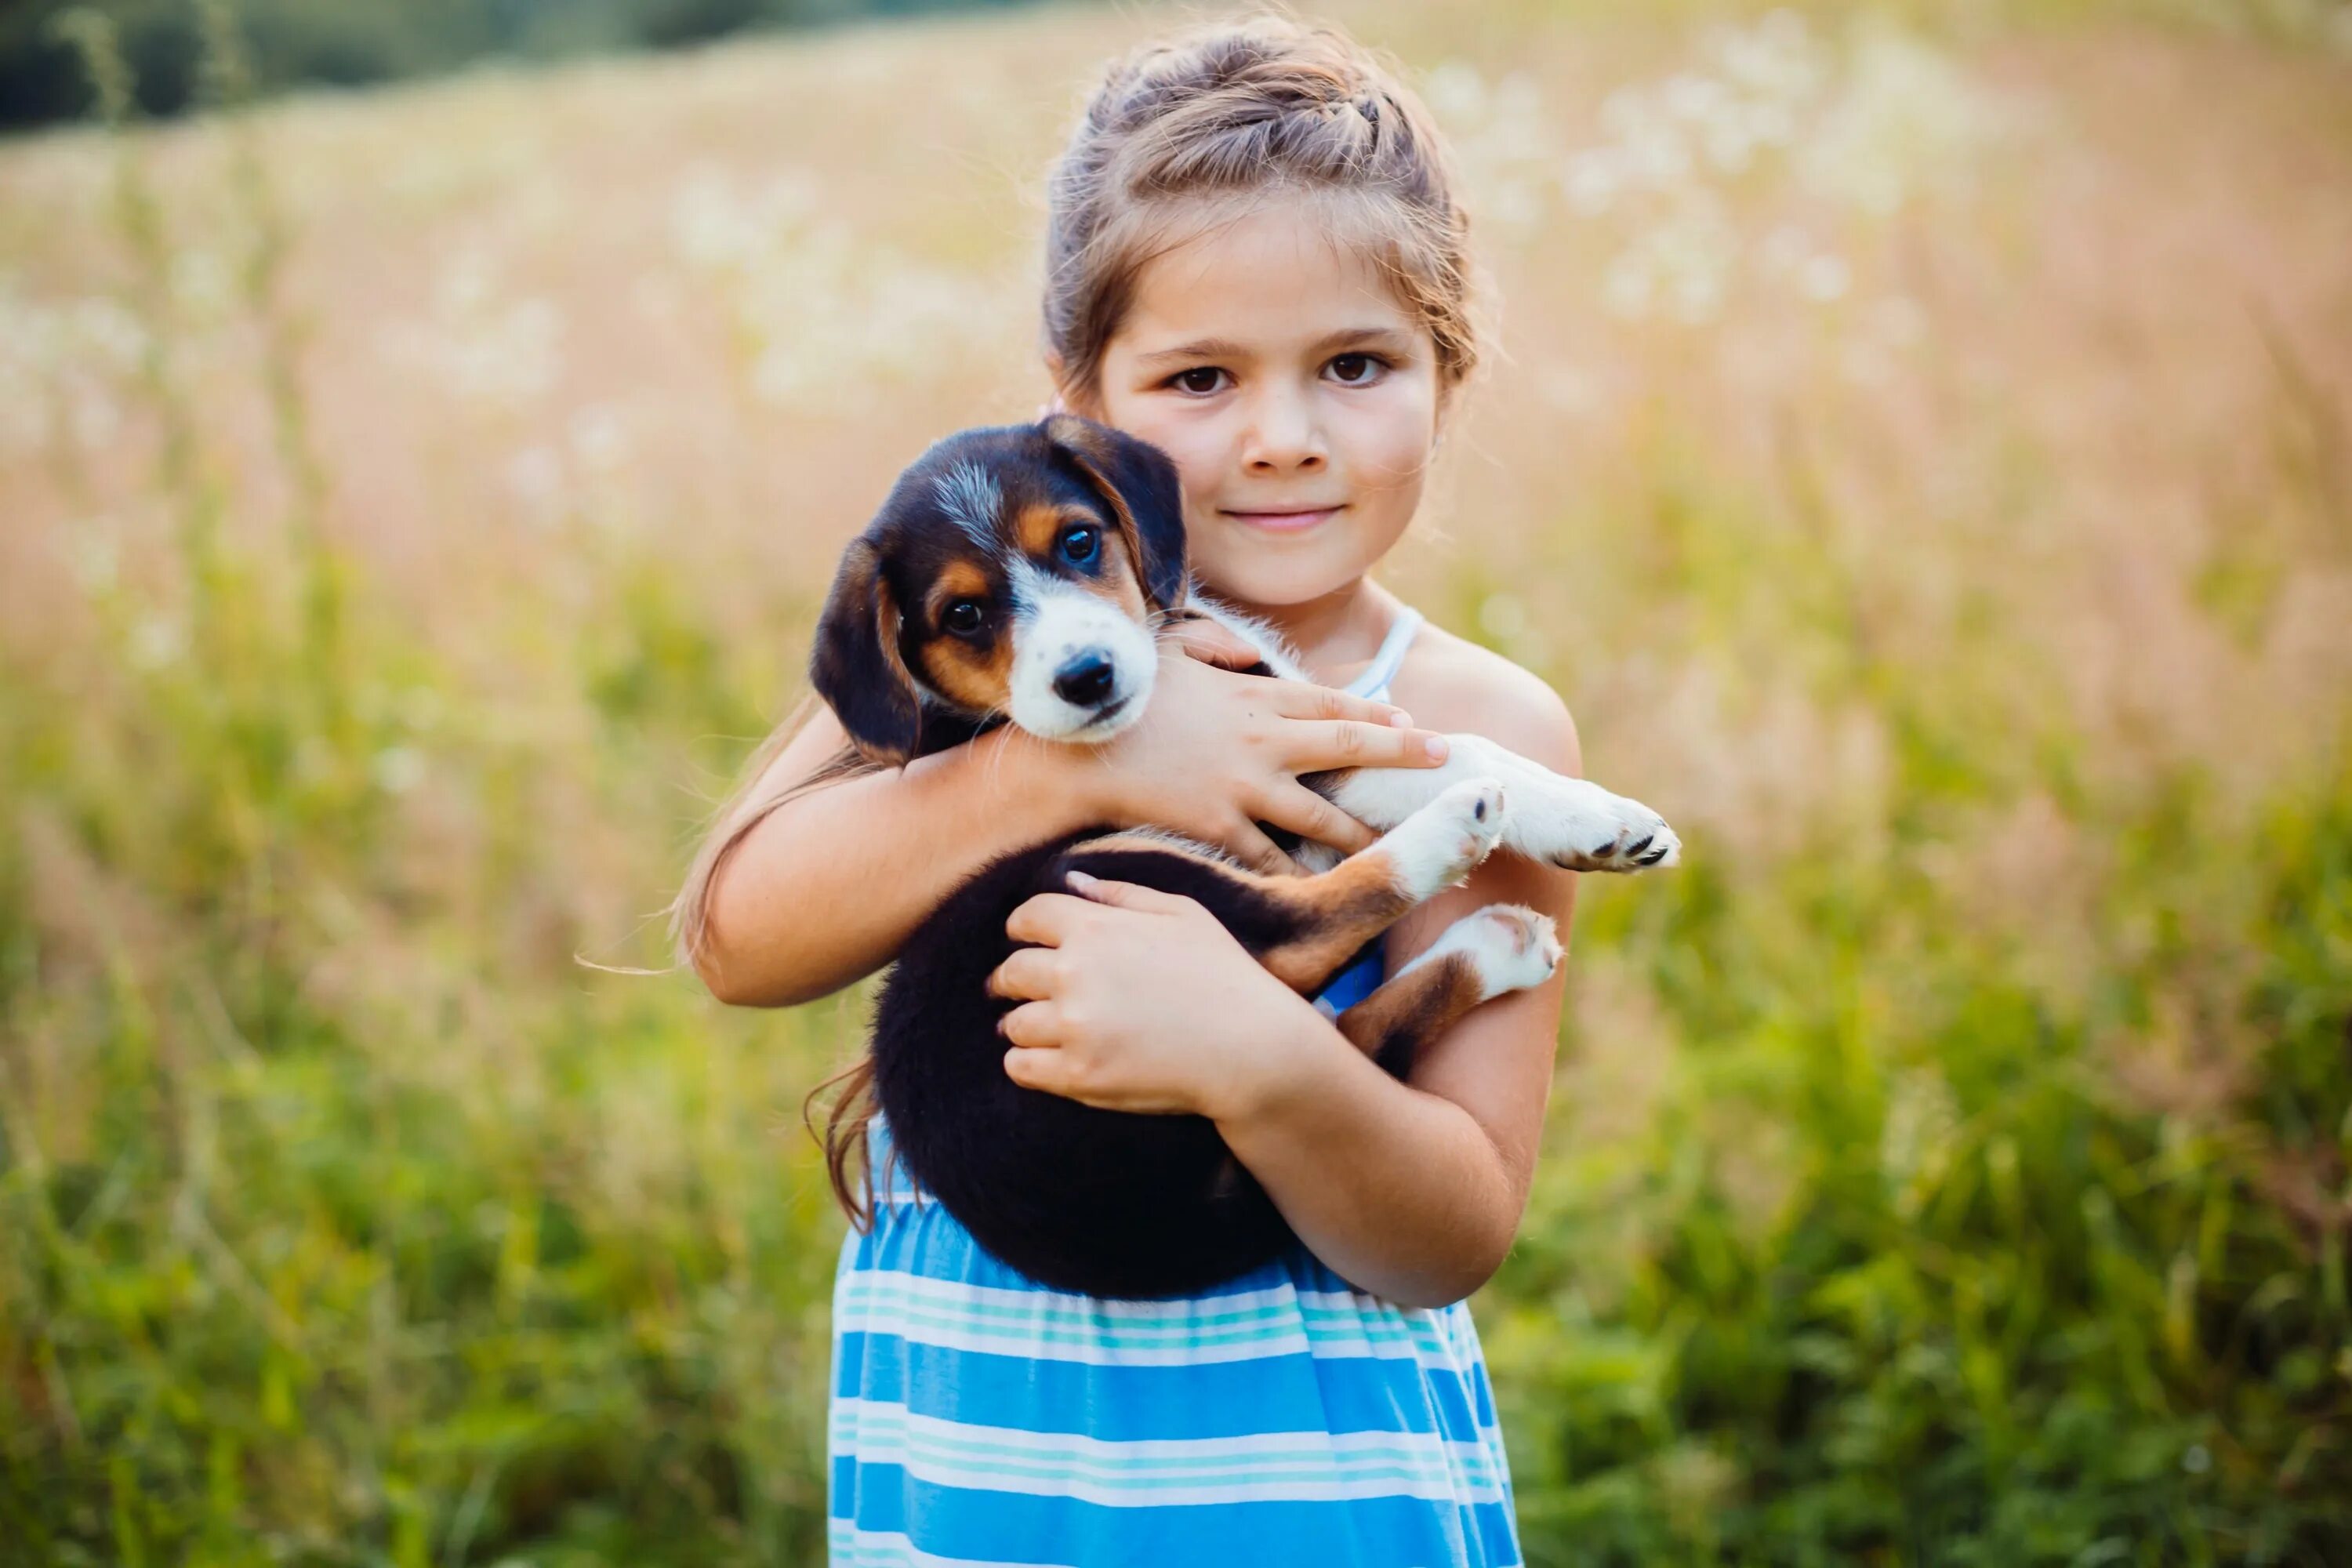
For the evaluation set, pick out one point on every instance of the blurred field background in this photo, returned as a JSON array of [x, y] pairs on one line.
[[1920, 450]]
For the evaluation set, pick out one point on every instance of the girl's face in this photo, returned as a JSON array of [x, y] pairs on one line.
[[1297, 396]]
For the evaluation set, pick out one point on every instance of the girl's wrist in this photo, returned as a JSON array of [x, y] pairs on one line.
[[1286, 1060], [1071, 785]]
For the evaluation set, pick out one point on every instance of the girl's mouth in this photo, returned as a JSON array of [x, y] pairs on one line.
[[1294, 521]]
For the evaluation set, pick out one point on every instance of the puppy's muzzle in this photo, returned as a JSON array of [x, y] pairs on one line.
[[1088, 680]]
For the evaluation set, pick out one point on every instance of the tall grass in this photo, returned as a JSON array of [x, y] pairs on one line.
[[1949, 1165]]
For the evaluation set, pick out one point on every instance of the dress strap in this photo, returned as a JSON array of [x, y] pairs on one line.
[[1375, 676]]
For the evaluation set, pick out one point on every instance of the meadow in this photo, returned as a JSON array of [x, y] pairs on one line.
[[1919, 447]]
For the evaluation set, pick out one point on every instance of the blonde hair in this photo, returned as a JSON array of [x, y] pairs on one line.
[[1182, 133], [1207, 124]]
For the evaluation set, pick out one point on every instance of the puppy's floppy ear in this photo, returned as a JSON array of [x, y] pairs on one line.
[[1138, 483], [855, 666]]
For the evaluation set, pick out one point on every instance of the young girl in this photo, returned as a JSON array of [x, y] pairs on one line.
[[1256, 263]]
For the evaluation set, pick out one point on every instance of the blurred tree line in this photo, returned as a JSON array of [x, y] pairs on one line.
[[353, 42]]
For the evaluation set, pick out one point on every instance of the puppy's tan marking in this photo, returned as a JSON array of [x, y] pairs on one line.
[[1336, 912], [1036, 528], [976, 677], [1416, 1006], [1122, 577], [957, 580]]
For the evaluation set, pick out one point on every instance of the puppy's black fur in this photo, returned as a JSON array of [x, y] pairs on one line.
[[1101, 1202], [1104, 1203]]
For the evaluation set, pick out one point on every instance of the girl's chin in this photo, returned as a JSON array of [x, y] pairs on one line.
[[1256, 575], [1276, 590]]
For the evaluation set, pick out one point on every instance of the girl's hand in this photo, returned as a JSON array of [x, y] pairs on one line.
[[1138, 1000], [1216, 753]]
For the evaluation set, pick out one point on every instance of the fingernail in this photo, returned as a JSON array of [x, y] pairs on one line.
[[1436, 748], [1082, 883], [1399, 719]]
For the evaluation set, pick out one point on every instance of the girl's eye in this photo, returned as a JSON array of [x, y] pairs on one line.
[[1080, 544], [1200, 380], [1357, 370], [964, 618]]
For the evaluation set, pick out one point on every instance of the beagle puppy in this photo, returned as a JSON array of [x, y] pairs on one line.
[[1019, 574]]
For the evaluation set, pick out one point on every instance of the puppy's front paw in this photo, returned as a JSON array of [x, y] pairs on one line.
[[1583, 827], [1643, 840], [1511, 947], [1437, 846]]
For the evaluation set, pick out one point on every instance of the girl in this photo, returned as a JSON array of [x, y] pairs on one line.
[[1257, 264]]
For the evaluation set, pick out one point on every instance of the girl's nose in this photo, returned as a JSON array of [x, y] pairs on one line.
[[1284, 435]]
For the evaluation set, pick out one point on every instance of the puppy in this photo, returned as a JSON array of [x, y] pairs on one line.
[[1019, 574]]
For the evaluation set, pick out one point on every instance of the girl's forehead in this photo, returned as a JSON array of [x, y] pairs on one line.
[[1264, 281]]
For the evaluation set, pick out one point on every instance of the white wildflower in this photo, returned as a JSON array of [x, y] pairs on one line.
[[156, 641], [201, 283], [1825, 277], [93, 556], [398, 769], [599, 437], [535, 476]]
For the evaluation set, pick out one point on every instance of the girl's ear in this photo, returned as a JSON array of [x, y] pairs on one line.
[[855, 666], [1138, 482]]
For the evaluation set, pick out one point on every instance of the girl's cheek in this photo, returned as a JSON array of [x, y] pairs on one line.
[[1197, 463], [1394, 447]]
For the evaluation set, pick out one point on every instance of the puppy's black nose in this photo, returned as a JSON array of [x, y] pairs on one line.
[[1085, 681]]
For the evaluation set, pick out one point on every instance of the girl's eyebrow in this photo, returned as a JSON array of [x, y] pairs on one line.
[[1225, 348]]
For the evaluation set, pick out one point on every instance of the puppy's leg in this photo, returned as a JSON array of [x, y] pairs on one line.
[[1304, 928], [1571, 823], [1499, 948]]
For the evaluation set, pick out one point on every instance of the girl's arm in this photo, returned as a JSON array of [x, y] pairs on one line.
[[826, 887], [1413, 1190], [1416, 1191]]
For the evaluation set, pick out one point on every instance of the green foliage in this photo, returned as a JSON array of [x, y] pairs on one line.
[[1999, 1312], [1908, 1262], [298, 1266], [343, 1218], [347, 43]]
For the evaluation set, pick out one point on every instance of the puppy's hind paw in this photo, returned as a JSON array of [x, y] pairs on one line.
[[1439, 844], [1510, 946]]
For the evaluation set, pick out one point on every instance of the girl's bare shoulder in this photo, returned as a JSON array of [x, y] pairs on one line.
[[1448, 682]]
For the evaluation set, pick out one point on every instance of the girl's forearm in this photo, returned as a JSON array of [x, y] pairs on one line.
[[829, 885], [1400, 1190]]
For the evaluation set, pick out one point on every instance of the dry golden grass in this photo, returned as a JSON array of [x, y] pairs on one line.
[[1921, 455]]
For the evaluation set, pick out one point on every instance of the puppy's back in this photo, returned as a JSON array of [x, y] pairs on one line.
[[1104, 1203]]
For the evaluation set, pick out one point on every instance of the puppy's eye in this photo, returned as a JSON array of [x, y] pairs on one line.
[[1080, 544], [964, 617]]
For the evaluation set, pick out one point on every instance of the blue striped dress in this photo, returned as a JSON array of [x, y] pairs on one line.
[[1282, 1418]]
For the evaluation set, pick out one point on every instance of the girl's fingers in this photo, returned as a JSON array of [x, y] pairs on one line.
[[1247, 843], [1304, 699], [1213, 644], [1300, 810], [1345, 744], [1040, 1070], [1035, 1026], [1128, 895], [1047, 919], [1030, 975]]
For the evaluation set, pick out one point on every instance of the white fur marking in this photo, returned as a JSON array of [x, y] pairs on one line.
[[1511, 946], [1053, 621], [971, 498], [1437, 846]]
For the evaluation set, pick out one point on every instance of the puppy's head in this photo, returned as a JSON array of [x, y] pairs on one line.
[[1013, 572]]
